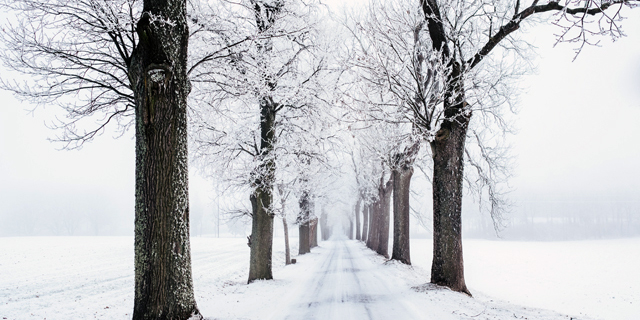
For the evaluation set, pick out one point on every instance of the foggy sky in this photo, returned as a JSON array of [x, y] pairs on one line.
[[578, 138]]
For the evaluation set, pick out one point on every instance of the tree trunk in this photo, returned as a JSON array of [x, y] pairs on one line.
[[401, 193], [287, 251], [383, 228], [261, 242], [323, 225], [163, 281], [350, 229], [285, 225], [303, 219], [447, 268], [304, 235], [448, 151], [358, 237], [365, 223], [374, 217], [313, 233]]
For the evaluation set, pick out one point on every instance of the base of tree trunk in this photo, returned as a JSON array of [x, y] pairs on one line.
[[261, 239], [401, 195]]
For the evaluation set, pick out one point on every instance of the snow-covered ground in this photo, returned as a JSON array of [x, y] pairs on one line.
[[92, 278]]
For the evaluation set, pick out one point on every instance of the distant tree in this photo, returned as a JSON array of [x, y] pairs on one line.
[[284, 194]]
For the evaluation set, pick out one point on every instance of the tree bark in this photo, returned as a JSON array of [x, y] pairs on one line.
[[261, 242], [374, 217], [163, 281], [401, 192], [358, 237], [304, 236], [383, 228], [447, 268], [401, 175]]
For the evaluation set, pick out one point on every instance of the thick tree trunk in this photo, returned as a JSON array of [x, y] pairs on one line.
[[303, 219], [261, 242], [163, 282], [383, 230], [358, 237], [447, 268], [448, 163], [401, 193], [365, 222]]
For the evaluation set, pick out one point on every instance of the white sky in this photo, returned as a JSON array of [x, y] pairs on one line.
[[578, 138]]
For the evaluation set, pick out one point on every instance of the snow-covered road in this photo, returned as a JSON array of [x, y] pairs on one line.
[[347, 285], [342, 279]]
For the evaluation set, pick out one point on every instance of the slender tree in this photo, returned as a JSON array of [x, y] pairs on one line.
[[357, 214]]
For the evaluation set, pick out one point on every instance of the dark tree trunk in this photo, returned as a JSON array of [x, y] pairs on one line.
[[401, 175], [448, 163], [304, 235], [261, 242], [358, 237], [401, 193], [374, 232], [365, 223], [383, 227], [447, 268], [303, 219], [261, 236], [261, 239], [163, 282]]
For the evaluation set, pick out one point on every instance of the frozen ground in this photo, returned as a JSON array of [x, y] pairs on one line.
[[92, 278]]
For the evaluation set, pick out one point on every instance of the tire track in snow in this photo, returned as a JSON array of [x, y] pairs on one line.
[[348, 285]]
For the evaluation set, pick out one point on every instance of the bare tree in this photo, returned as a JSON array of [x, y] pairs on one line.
[[464, 37], [253, 102], [430, 65], [122, 62]]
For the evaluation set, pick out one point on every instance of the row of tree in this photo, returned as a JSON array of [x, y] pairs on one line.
[[264, 93]]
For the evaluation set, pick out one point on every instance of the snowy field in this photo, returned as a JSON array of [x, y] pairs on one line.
[[92, 278]]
